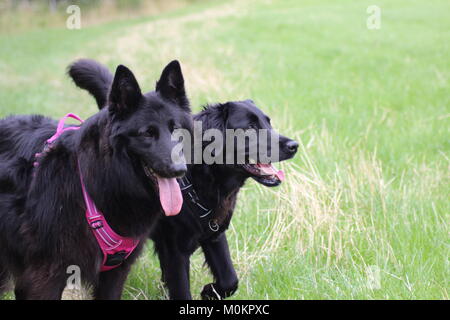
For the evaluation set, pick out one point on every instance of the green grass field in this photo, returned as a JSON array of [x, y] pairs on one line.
[[364, 212]]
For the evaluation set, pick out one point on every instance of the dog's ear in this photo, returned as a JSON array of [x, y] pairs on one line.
[[171, 85], [125, 93], [225, 110]]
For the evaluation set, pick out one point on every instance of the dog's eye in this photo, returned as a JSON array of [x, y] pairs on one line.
[[173, 126], [151, 132]]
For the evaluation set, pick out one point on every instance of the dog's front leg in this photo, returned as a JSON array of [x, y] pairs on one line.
[[217, 255], [110, 283], [175, 271]]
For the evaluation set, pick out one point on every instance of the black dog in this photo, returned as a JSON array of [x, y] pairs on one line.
[[210, 193], [123, 154]]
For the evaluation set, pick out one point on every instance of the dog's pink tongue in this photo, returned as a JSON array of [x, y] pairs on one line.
[[170, 196], [270, 170]]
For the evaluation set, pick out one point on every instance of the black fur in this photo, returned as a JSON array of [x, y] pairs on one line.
[[93, 77], [217, 186], [176, 238], [42, 212]]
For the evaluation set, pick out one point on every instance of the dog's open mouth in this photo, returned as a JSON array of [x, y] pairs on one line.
[[265, 174], [169, 191]]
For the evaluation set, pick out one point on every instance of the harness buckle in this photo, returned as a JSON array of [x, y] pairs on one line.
[[115, 258], [97, 224]]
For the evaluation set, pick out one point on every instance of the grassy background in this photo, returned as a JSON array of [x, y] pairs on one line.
[[366, 198]]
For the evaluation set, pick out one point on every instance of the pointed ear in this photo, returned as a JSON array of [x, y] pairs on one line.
[[125, 93], [171, 85], [224, 112]]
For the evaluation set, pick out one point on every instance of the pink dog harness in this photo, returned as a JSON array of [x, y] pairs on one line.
[[115, 248]]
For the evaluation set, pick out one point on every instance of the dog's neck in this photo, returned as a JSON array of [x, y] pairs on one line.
[[217, 187], [219, 178], [216, 184], [127, 199]]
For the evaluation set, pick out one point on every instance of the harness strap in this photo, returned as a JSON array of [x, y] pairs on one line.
[[188, 191], [115, 248], [60, 128]]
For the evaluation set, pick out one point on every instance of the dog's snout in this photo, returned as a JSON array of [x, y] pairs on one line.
[[178, 169], [292, 146]]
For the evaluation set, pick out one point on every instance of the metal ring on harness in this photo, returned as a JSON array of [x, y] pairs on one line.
[[213, 225]]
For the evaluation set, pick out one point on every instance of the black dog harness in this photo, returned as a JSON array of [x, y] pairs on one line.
[[188, 191]]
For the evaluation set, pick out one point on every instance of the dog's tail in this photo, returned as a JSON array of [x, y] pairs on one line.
[[92, 76]]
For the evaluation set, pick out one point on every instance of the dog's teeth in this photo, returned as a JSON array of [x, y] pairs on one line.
[[147, 171]]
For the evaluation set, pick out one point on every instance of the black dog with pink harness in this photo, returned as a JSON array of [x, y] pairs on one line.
[[115, 248]]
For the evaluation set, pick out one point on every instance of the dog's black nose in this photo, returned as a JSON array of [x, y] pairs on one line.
[[292, 146], [178, 170]]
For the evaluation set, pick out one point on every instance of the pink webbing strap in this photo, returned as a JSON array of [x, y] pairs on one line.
[[60, 129], [115, 248]]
